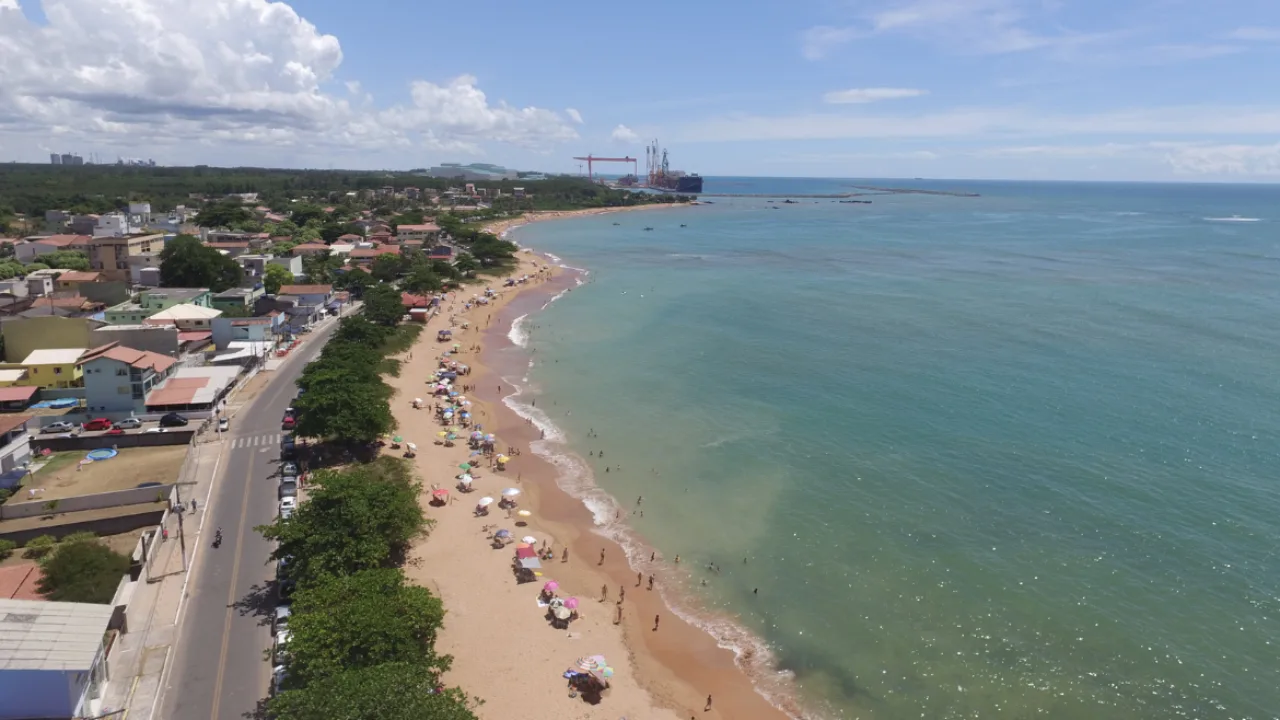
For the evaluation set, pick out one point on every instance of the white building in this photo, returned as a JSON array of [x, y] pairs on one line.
[[186, 316], [139, 208], [53, 659], [115, 225]]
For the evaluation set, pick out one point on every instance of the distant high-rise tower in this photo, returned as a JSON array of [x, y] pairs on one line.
[[68, 159], [55, 159]]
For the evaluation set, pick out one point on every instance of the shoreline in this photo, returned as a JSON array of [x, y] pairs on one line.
[[672, 669]]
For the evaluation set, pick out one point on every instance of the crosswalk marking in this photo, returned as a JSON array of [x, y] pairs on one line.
[[255, 441]]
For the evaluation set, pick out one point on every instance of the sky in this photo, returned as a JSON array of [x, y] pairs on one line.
[[1166, 90]]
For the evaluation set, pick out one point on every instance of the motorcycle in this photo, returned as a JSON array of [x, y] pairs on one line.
[[217, 539]]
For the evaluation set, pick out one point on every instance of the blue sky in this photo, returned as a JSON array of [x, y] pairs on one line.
[[1037, 89]]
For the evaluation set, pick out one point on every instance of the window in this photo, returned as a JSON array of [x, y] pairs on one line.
[[121, 372], [122, 389], [57, 371]]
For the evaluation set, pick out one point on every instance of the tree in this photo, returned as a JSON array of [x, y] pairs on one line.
[[223, 214], [274, 276], [66, 260], [423, 280], [361, 620], [319, 269], [354, 280], [360, 518], [85, 571], [304, 213], [186, 262], [387, 267], [342, 405], [390, 691], [382, 305]]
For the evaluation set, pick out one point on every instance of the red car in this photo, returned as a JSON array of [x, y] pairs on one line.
[[98, 424], [115, 431], [288, 422]]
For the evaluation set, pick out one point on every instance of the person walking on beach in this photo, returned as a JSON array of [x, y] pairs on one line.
[[650, 582], [619, 620], [604, 593], [656, 618], [601, 556], [639, 500], [708, 707], [622, 594], [639, 579], [564, 558]]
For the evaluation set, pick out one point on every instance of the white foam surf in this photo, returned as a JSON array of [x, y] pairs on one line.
[[1233, 218], [517, 334]]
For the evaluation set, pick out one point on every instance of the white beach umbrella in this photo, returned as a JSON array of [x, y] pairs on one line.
[[529, 539], [465, 479], [510, 492], [485, 501]]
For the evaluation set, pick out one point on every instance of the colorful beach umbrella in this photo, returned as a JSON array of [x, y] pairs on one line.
[[397, 439], [504, 533], [465, 466], [551, 586], [502, 458], [442, 433], [571, 603]]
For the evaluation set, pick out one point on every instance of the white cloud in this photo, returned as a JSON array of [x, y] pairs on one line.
[[857, 96], [158, 73], [817, 42], [574, 115], [991, 123], [1230, 160], [1254, 34], [624, 134]]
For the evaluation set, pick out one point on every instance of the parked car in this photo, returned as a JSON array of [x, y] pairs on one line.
[[288, 447], [288, 422], [223, 425], [154, 430], [129, 423], [288, 488], [281, 619], [115, 431], [287, 506], [97, 424], [173, 419], [278, 674], [58, 427], [288, 470], [278, 647]]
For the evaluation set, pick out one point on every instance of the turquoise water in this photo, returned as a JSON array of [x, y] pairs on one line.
[[1000, 457]]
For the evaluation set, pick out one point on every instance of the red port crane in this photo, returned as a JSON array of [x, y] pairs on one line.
[[593, 159]]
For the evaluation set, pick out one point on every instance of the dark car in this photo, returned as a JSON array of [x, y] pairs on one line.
[[288, 488], [173, 419]]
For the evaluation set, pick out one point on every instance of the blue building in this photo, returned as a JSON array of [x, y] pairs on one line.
[[53, 659]]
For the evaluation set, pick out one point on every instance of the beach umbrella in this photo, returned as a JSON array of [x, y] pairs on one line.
[[465, 466], [442, 433], [551, 586], [411, 446], [397, 439], [504, 533], [571, 603], [510, 492], [502, 458], [440, 493], [524, 513], [417, 401], [475, 453], [484, 501], [529, 539], [561, 613], [593, 663], [465, 480], [477, 435], [490, 437]]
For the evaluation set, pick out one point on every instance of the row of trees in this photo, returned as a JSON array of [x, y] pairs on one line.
[[362, 639], [79, 568]]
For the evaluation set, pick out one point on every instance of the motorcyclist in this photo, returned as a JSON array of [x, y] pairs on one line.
[[217, 537]]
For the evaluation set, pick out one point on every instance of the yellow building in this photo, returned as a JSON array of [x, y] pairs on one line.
[[59, 368], [12, 377], [23, 336], [110, 255]]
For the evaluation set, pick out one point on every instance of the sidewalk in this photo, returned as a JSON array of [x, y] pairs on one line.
[[140, 656]]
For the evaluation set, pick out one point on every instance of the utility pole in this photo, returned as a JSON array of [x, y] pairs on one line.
[[182, 538]]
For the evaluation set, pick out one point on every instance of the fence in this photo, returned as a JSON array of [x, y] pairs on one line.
[[58, 443], [115, 525]]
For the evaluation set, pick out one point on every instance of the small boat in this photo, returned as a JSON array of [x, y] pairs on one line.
[[648, 229], [683, 225]]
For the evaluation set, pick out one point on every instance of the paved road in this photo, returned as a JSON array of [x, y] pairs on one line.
[[221, 671]]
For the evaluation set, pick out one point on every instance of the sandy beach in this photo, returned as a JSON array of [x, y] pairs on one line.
[[505, 651]]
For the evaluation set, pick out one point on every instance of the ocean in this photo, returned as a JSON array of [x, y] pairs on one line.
[[1005, 456]]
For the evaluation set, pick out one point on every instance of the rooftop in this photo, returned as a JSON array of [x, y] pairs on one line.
[[63, 240], [17, 393], [36, 635], [179, 294], [236, 293], [79, 276], [12, 375], [305, 290], [429, 227], [18, 582], [186, 311], [11, 422], [193, 386], [140, 359], [56, 356]]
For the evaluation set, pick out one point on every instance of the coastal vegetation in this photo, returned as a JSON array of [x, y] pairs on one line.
[[81, 569]]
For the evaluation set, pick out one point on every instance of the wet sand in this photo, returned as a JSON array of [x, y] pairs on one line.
[[504, 649]]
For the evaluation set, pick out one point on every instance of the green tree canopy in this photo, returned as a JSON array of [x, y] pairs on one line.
[[361, 620], [382, 305], [186, 262], [346, 401], [387, 267], [466, 263], [227, 213], [274, 276], [304, 213], [354, 280], [66, 260], [85, 571], [390, 691], [357, 519]]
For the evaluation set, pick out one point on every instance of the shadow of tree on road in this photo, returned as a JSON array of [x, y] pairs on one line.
[[260, 601]]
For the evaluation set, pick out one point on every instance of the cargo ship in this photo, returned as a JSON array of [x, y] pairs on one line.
[[662, 177]]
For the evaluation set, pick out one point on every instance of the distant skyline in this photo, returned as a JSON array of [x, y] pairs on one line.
[[1167, 90]]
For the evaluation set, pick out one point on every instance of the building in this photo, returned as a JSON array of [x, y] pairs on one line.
[[229, 330], [186, 317], [24, 335], [255, 266], [71, 279], [238, 301], [139, 208], [115, 224], [162, 339], [118, 379], [151, 302], [309, 304], [472, 172], [423, 233], [364, 257], [314, 248], [56, 368], [231, 248], [33, 247], [192, 389], [53, 658], [441, 252], [110, 255], [15, 441], [16, 398]]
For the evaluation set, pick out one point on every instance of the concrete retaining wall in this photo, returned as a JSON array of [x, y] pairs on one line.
[[117, 498], [104, 526]]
